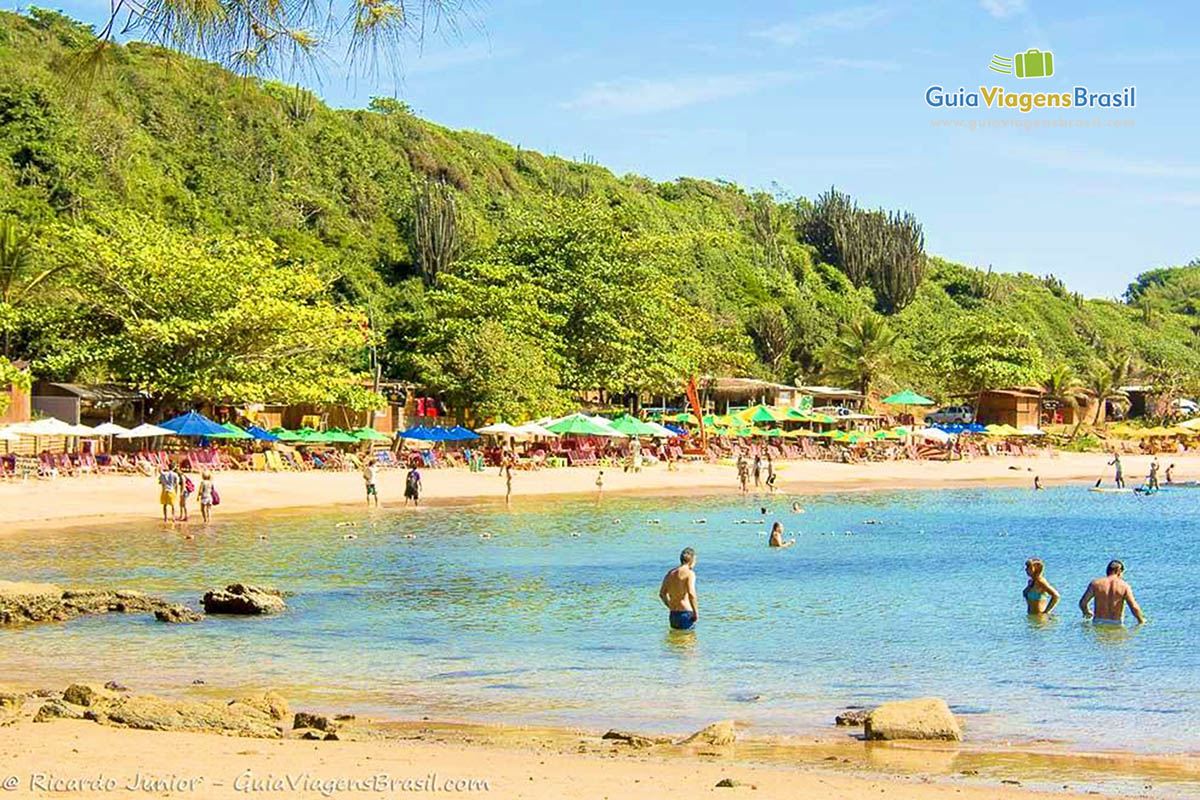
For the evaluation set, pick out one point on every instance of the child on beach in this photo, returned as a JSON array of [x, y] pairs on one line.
[[206, 496]]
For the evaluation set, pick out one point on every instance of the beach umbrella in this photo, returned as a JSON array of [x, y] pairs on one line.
[[7, 435], [1031, 430], [762, 413], [824, 419], [685, 416], [933, 435], [662, 431], [311, 436], [368, 434], [581, 425], [231, 432], [193, 423], [900, 431], [458, 433], [261, 434], [1191, 424], [146, 431], [110, 429], [421, 433], [285, 435], [632, 426], [47, 426], [532, 429], [907, 398], [339, 436], [498, 429]]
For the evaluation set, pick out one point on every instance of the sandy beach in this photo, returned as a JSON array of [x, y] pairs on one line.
[[42, 760], [121, 498]]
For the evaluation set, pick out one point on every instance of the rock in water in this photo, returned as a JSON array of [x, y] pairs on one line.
[[23, 603], [923, 718], [238, 598], [177, 614], [719, 734], [852, 717]]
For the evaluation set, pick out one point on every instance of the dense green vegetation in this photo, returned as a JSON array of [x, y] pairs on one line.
[[202, 234]]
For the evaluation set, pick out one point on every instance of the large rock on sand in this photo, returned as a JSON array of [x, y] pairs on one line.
[[238, 598], [10, 707], [923, 718], [718, 734], [253, 717]]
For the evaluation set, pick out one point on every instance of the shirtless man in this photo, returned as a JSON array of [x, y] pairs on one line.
[[1110, 595], [678, 592]]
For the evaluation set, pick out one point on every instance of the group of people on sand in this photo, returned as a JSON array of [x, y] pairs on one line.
[[747, 469], [175, 489], [1103, 601], [412, 485]]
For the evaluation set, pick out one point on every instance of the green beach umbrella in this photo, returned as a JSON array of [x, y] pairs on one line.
[[907, 398], [632, 426], [685, 416], [762, 413], [366, 434], [339, 436], [231, 432], [579, 425], [824, 419], [285, 435], [798, 414]]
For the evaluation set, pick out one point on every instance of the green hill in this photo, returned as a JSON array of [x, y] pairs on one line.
[[560, 276]]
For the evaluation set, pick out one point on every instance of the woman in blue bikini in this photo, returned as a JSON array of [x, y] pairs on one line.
[[1040, 596]]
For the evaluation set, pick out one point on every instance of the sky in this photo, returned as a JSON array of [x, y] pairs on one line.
[[793, 97]]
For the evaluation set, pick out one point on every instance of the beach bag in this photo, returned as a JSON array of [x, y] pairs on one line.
[[188, 486], [216, 497]]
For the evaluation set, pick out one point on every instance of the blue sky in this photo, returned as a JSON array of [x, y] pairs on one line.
[[801, 95]]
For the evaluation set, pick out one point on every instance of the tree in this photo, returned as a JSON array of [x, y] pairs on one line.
[[16, 281], [772, 332], [255, 37], [1060, 385], [186, 317], [862, 351], [991, 354], [1100, 383]]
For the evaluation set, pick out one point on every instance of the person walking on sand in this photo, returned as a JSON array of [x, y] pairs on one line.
[[370, 474], [207, 490], [168, 490], [1040, 596], [776, 539], [678, 592], [1109, 596], [599, 484], [757, 470], [743, 471], [1119, 472], [412, 487]]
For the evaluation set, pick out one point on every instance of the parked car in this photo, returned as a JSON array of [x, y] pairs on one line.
[[951, 415], [1184, 407]]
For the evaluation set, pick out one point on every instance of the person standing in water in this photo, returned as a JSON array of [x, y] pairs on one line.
[[1109, 596], [1170, 470], [678, 592], [1040, 596], [508, 484], [1037, 483], [776, 539], [168, 490], [1152, 479], [186, 487], [206, 496], [1120, 473], [412, 487]]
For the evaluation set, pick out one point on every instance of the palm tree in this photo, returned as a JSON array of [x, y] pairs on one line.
[[1102, 383], [861, 351]]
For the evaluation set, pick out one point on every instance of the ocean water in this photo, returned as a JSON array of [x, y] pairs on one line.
[[549, 613]]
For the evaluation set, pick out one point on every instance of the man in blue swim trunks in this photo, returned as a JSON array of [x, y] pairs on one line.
[[1109, 596], [678, 592]]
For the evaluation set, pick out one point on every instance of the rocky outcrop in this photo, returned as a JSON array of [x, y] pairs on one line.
[[852, 717], [631, 739], [10, 707], [57, 709], [238, 598], [718, 734], [923, 718], [87, 694], [147, 712], [25, 603], [177, 614], [320, 722]]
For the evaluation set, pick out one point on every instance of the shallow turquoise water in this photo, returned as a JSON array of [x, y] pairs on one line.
[[537, 625]]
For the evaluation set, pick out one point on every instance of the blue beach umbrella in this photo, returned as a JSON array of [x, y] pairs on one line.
[[462, 434], [193, 424], [261, 435]]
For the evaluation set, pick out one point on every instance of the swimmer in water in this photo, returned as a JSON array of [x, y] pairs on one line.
[[796, 509], [1037, 483], [678, 592], [1110, 595], [776, 539], [1040, 596]]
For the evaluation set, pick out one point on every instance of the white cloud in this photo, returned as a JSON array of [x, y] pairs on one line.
[[643, 96], [1003, 8], [452, 57], [843, 19]]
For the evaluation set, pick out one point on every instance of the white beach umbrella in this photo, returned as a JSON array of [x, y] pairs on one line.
[[9, 435], [533, 429], [83, 431], [661, 431], [109, 429], [48, 426], [933, 435], [498, 429], [146, 431]]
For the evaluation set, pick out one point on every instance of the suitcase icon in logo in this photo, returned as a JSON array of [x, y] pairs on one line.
[[1033, 63]]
